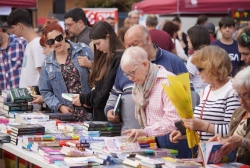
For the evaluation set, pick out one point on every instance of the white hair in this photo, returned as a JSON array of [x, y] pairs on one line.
[[133, 12], [134, 56], [242, 79]]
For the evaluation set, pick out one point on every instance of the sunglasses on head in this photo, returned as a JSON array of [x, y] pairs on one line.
[[58, 38]]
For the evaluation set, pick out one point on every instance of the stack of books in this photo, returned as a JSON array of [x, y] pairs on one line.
[[77, 144], [15, 100], [20, 130], [4, 138], [147, 142], [101, 128]]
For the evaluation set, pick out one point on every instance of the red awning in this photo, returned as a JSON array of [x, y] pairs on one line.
[[188, 6], [19, 3]]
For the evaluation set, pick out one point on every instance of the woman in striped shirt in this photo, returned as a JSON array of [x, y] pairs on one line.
[[214, 113]]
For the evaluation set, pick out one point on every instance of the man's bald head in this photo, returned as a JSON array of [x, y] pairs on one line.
[[137, 34]]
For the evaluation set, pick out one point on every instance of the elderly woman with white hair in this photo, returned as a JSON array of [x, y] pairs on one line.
[[239, 130], [153, 109]]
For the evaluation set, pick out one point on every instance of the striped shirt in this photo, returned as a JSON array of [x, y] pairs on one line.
[[218, 109]]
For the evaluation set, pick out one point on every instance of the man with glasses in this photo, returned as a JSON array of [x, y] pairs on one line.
[[76, 25], [20, 20]]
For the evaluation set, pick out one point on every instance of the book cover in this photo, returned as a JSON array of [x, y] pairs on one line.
[[98, 124], [27, 127], [118, 104], [20, 95], [101, 128], [121, 143], [61, 116], [216, 157], [68, 96], [17, 107]]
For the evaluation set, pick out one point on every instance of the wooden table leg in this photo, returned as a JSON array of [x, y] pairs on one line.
[[17, 162]]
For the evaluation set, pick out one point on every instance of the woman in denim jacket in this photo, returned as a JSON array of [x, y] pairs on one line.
[[61, 72]]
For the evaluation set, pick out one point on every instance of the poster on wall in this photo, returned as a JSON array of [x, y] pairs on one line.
[[240, 16], [97, 14]]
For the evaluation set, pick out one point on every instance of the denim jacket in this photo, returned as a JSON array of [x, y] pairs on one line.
[[52, 85]]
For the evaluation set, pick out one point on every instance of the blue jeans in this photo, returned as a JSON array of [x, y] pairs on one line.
[[182, 146]]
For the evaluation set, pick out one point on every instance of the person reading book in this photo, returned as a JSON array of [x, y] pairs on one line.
[[61, 72], [213, 115], [239, 130], [155, 118], [107, 55]]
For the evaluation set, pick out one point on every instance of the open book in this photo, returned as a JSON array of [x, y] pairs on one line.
[[212, 155], [121, 144]]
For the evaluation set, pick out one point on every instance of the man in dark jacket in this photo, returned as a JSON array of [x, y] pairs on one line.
[[76, 25]]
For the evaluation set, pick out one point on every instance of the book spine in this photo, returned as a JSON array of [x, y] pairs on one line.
[[20, 108], [104, 129], [22, 100]]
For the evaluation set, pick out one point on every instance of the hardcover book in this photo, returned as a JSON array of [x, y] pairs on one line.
[[118, 104], [98, 124], [27, 127], [68, 96], [20, 95], [17, 107], [212, 155]]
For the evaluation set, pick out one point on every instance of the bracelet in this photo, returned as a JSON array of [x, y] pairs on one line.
[[208, 126]]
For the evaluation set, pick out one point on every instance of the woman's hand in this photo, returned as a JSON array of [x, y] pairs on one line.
[[194, 123], [217, 137], [76, 100], [231, 144], [84, 62], [38, 99], [111, 117], [175, 136], [134, 133], [65, 109]]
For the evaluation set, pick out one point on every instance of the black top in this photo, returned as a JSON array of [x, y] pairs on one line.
[[98, 97]]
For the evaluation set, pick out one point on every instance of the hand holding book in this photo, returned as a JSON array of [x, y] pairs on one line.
[[229, 144], [111, 117], [76, 100], [38, 99]]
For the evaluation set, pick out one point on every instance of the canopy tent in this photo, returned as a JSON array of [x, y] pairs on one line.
[[190, 6], [19, 3]]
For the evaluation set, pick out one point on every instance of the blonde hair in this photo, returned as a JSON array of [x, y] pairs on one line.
[[215, 61]]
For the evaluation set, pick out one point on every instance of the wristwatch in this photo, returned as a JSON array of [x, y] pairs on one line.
[[244, 143]]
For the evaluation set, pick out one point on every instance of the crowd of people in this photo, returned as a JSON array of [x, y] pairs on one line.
[[96, 65]]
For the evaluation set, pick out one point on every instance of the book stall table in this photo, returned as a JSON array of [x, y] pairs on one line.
[[36, 159], [29, 156]]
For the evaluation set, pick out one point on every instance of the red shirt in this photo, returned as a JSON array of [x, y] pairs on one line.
[[162, 39]]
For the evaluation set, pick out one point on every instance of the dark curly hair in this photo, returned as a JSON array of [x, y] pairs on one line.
[[242, 41]]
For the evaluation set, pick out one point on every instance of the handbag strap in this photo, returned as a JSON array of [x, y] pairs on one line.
[[205, 101]]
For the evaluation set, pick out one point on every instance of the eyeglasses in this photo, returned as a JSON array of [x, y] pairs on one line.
[[68, 25], [131, 73], [244, 96], [58, 38], [200, 69]]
